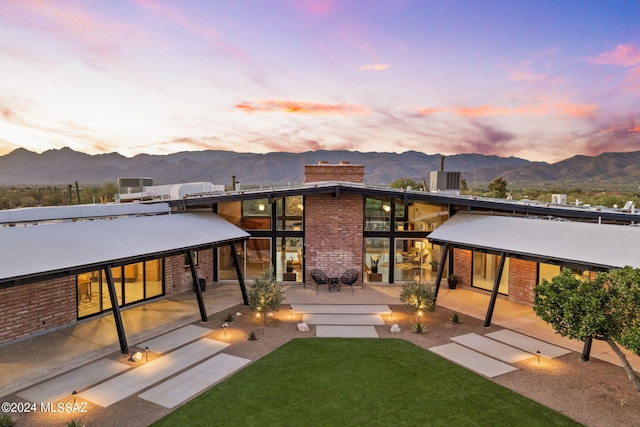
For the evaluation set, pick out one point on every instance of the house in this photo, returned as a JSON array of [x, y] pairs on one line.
[[61, 265]]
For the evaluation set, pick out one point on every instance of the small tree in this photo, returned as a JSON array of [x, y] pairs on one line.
[[418, 297], [265, 294], [498, 188], [606, 308]]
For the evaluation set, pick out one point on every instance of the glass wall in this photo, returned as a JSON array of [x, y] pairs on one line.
[[419, 216], [257, 257], [485, 267], [289, 213], [415, 259], [377, 214], [376, 259], [226, 269], [289, 259], [133, 283], [256, 215], [547, 272]]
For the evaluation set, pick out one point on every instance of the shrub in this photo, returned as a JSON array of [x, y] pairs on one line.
[[418, 296], [265, 293], [252, 336], [419, 328]]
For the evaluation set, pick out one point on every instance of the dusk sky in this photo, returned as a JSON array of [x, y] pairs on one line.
[[541, 80]]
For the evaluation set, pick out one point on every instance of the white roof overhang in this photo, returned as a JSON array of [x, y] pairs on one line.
[[72, 247], [593, 246]]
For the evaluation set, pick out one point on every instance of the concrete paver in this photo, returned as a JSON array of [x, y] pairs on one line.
[[174, 339], [472, 360], [492, 348], [195, 380], [147, 374]]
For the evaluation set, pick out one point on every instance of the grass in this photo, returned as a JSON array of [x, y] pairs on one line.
[[356, 382]]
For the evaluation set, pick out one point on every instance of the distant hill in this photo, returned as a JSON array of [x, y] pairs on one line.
[[65, 166]]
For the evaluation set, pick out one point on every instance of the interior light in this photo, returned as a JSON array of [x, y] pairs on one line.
[[261, 207], [386, 208]]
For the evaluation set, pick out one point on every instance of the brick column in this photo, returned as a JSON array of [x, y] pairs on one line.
[[333, 226]]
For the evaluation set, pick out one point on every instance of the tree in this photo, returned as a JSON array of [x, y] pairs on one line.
[[265, 294], [404, 183], [606, 308], [418, 296], [498, 188]]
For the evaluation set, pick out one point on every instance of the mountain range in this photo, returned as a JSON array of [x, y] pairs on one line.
[[64, 166]]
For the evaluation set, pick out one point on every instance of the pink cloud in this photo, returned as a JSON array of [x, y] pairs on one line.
[[621, 56], [563, 108], [429, 111], [297, 107]]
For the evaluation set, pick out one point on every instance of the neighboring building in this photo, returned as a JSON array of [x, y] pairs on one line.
[[55, 272]]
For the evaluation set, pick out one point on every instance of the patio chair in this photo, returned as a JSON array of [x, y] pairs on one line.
[[349, 277], [319, 277]]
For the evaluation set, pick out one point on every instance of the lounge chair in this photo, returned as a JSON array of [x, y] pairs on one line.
[[349, 277]]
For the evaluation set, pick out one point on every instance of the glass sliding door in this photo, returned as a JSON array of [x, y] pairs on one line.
[[289, 259], [485, 267], [133, 283]]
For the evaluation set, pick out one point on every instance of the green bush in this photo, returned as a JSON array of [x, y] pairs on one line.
[[418, 296], [265, 294]]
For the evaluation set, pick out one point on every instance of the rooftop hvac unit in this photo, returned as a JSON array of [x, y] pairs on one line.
[[559, 199], [133, 185], [444, 181]]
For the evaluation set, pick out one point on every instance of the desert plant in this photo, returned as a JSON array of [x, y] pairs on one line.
[[229, 318], [455, 319], [265, 293], [252, 336], [419, 328], [74, 423], [418, 297], [7, 421]]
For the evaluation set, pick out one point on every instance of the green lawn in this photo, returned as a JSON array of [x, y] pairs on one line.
[[359, 382]]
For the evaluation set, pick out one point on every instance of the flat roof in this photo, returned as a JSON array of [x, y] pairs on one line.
[[72, 247], [599, 246], [52, 213]]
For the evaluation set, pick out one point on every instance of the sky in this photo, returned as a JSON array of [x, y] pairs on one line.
[[542, 80]]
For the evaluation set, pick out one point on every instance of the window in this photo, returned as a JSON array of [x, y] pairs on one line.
[[377, 214], [289, 259], [289, 212], [485, 268], [415, 259], [376, 259], [419, 216], [133, 283]]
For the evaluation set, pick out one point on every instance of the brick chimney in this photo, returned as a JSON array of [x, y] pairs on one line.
[[343, 171]]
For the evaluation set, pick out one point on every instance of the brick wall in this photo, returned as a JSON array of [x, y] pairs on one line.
[[334, 172], [333, 226], [177, 277], [522, 276], [29, 309], [462, 266], [333, 230], [522, 280]]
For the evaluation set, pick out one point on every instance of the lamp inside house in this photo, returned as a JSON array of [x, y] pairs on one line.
[[261, 207]]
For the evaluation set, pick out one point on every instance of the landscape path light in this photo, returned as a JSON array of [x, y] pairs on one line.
[[146, 354], [225, 326]]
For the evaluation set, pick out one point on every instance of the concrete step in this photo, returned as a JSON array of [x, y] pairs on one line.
[[341, 308], [343, 319]]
